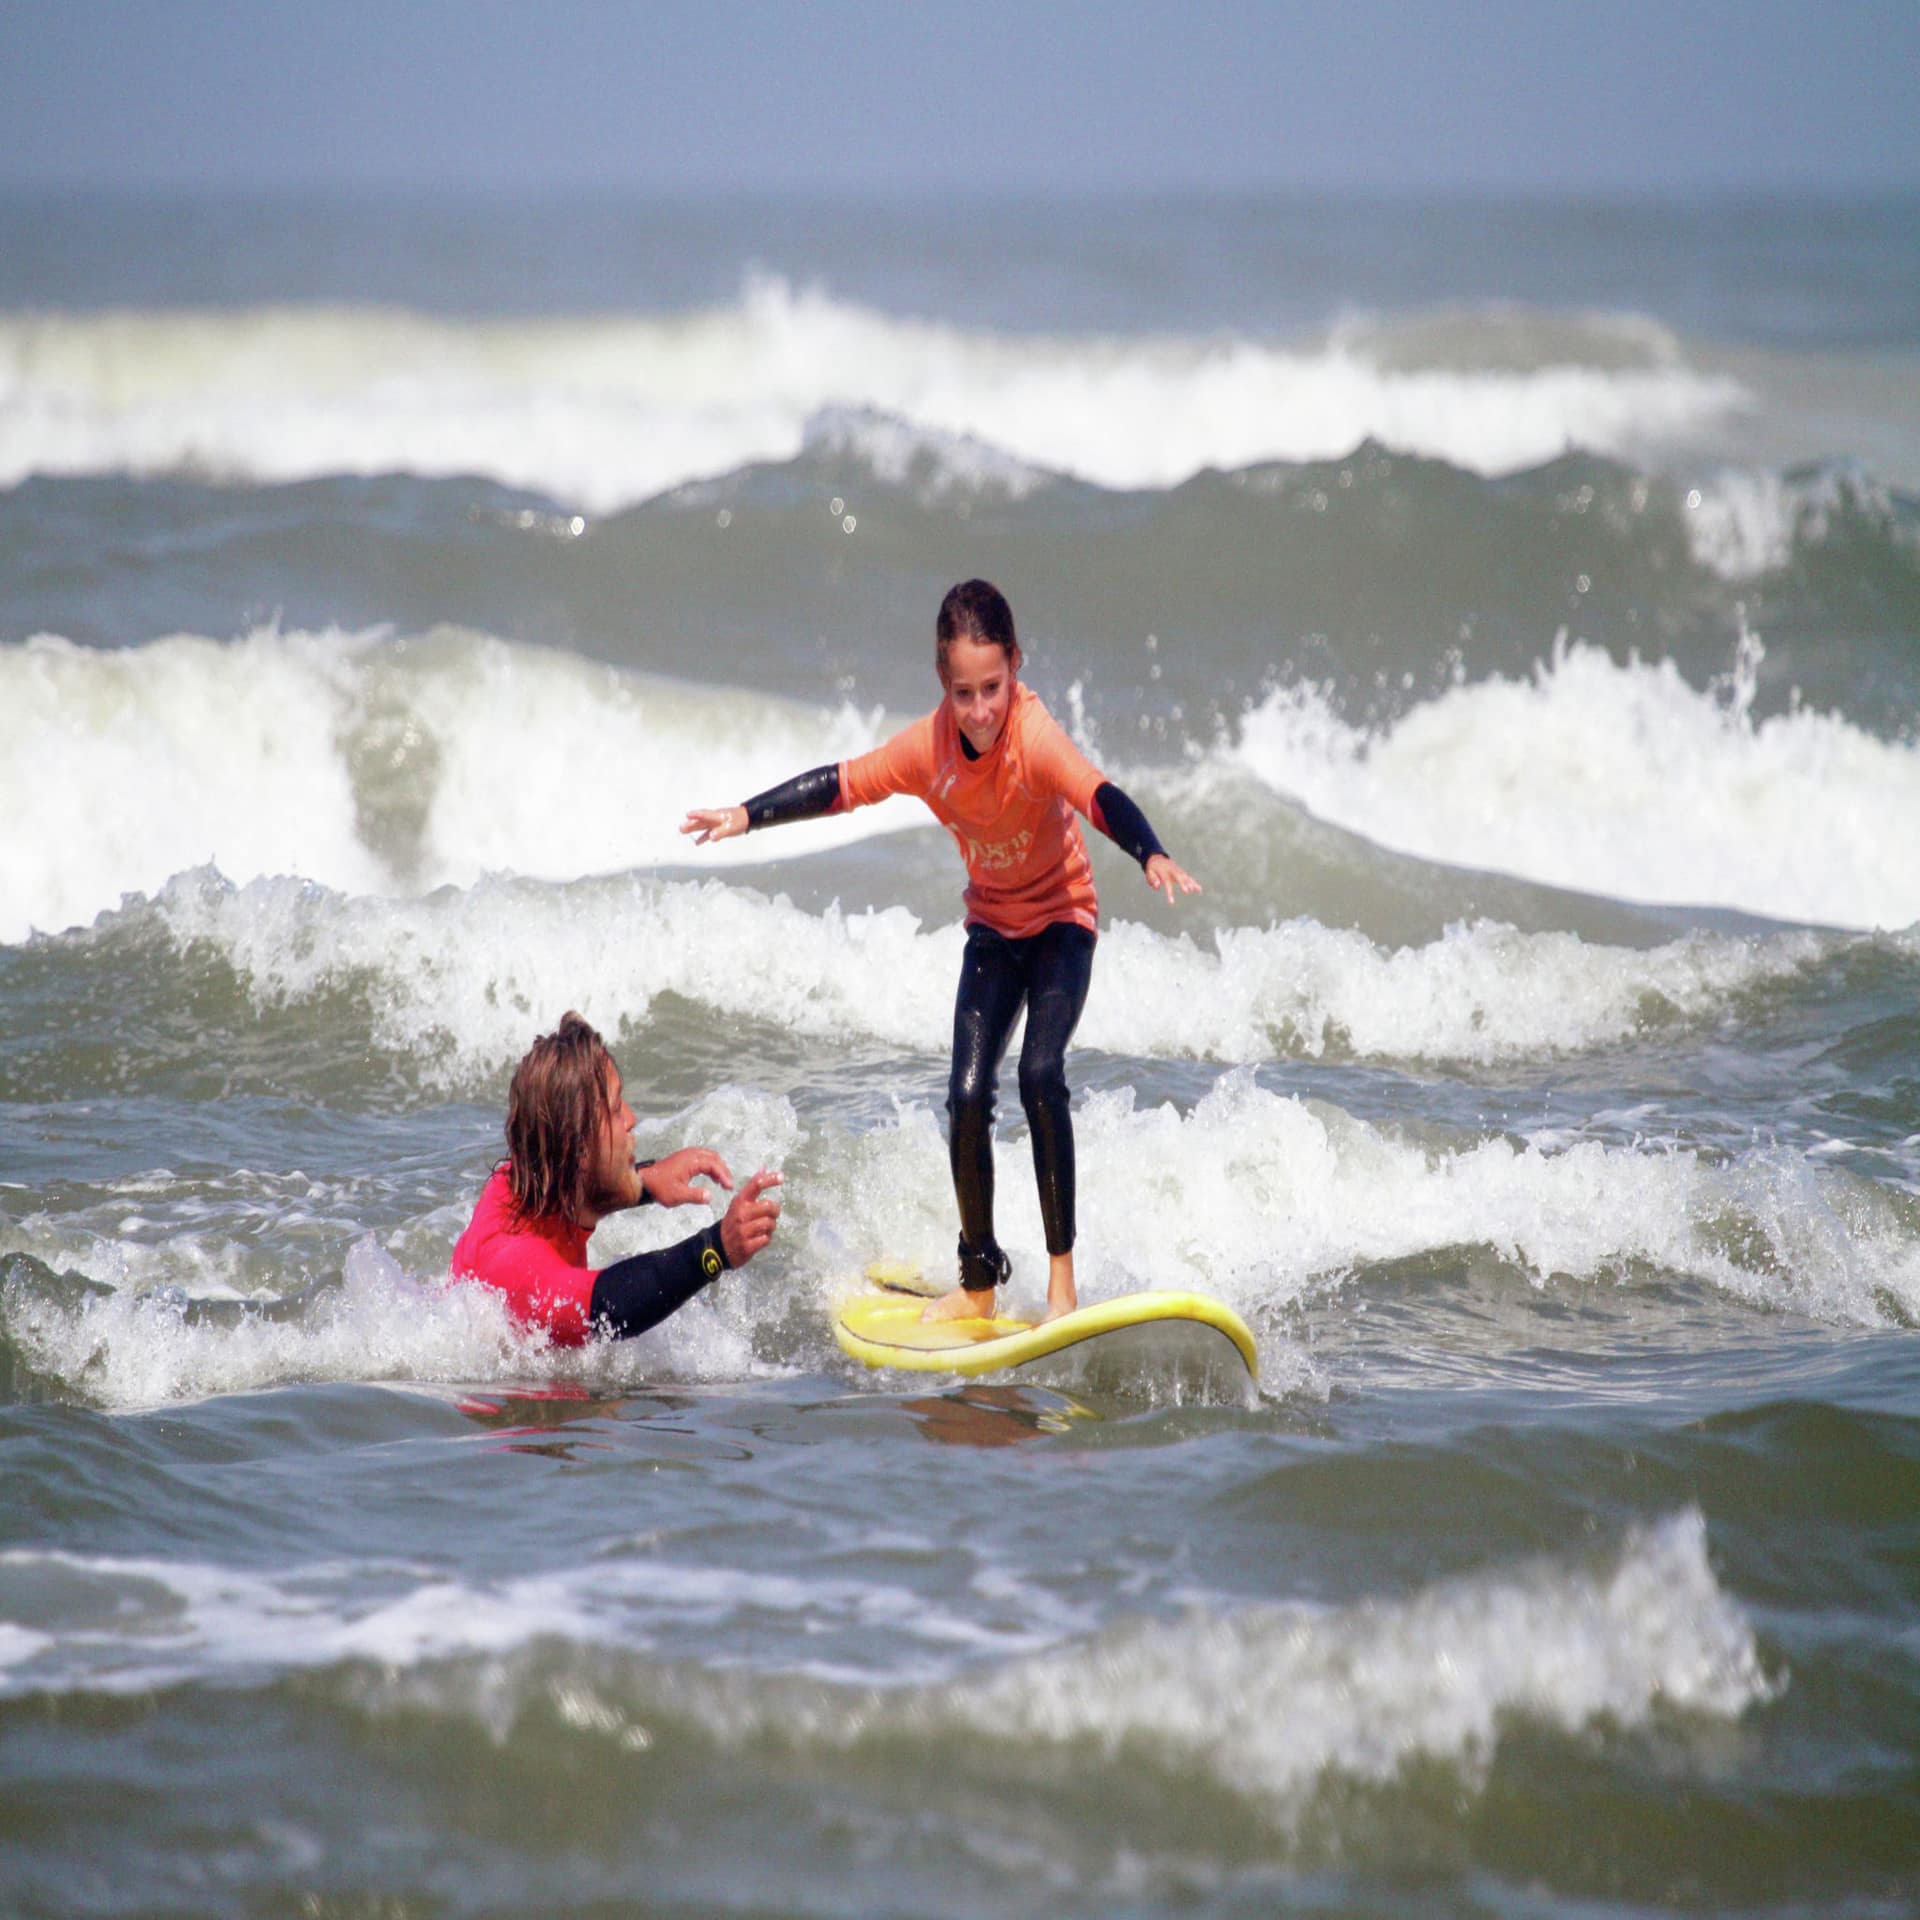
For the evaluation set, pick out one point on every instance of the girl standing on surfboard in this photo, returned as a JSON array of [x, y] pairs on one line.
[[1001, 776]]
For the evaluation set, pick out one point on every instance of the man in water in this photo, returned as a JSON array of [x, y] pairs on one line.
[[569, 1164]]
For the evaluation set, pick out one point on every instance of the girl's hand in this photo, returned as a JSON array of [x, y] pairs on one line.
[[1164, 874], [717, 823]]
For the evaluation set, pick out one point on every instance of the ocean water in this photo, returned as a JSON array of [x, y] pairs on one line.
[[1509, 611]]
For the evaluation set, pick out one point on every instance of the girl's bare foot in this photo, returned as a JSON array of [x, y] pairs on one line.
[[1061, 1295], [962, 1303]]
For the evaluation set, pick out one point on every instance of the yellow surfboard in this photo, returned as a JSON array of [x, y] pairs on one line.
[[884, 1329]]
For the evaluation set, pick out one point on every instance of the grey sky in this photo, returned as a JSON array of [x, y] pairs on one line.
[[492, 94]]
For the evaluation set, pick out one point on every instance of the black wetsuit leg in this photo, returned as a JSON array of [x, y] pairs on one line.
[[992, 986], [1059, 971], [1049, 973]]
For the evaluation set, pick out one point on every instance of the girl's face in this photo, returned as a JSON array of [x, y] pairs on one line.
[[980, 679]]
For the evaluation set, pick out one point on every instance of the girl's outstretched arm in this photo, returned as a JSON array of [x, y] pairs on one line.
[[1120, 819], [804, 797]]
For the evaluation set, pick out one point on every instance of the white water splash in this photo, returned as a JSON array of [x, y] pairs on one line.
[[1619, 780], [369, 765], [455, 980]]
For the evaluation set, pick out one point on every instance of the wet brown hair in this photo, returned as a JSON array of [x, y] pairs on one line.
[[974, 610], [561, 1094]]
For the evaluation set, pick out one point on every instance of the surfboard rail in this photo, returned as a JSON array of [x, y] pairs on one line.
[[884, 1329]]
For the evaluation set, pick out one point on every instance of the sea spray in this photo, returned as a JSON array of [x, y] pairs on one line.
[[1618, 779]]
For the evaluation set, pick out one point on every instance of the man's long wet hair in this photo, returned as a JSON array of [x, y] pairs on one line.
[[974, 610], [559, 1099]]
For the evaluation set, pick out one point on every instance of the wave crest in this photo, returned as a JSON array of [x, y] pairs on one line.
[[604, 413], [369, 764], [1621, 780]]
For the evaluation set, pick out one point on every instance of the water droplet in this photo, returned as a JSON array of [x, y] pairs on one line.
[[849, 523]]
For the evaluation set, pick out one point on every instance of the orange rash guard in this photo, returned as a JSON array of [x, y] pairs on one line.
[[1010, 811]]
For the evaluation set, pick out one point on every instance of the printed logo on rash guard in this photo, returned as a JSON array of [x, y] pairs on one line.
[[995, 856], [710, 1263]]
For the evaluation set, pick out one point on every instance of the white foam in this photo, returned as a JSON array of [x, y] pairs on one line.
[[602, 413], [1742, 524], [175, 1621], [18, 1645], [1619, 780], [1272, 1699], [120, 768], [144, 1344], [216, 1264], [1274, 1702], [1259, 1198], [132, 1348], [1256, 1197], [371, 765], [1483, 993], [659, 748], [233, 1236], [459, 980], [147, 1343]]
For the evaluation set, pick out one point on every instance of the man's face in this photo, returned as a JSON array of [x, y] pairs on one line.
[[616, 1184]]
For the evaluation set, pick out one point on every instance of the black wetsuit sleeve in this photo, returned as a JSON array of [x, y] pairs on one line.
[[804, 797], [640, 1291], [1124, 824]]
